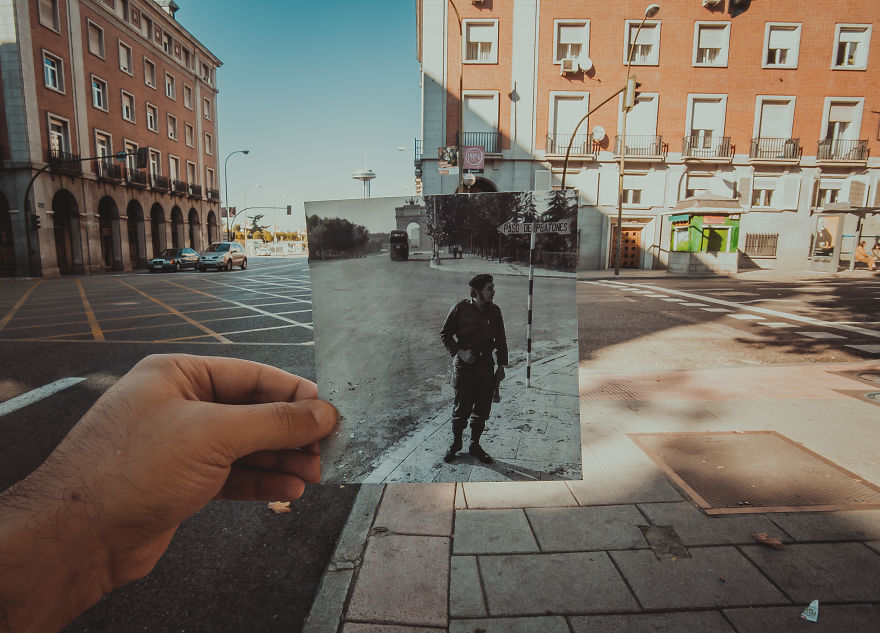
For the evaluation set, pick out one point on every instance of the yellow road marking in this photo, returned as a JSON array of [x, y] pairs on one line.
[[90, 315], [6, 319], [207, 330]]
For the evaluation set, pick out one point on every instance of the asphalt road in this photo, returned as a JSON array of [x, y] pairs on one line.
[[233, 566], [379, 329], [693, 323]]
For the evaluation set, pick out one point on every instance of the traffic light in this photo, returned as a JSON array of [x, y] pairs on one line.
[[631, 93], [35, 222], [288, 209], [143, 157]]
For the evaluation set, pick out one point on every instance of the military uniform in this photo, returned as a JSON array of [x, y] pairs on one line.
[[480, 331]]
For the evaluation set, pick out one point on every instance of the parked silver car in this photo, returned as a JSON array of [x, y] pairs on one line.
[[222, 256]]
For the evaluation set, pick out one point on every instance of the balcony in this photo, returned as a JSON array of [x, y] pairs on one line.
[[581, 145], [644, 146], [195, 191], [136, 177], [179, 187], [489, 141], [782, 150], [843, 150], [109, 171], [214, 195], [65, 162], [709, 148], [161, 183]]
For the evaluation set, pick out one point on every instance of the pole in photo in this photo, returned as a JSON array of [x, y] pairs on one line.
[[531, 287]]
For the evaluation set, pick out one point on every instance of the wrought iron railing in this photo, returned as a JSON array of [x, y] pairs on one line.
[[65, 161], [195, 191], [761, 244], [842, 149], [161, 183], [775, 148], [136, 177], [706, 147], [641, 145], [213, 195], [581, 144], [109, 170], [489, 141], [179, 187]]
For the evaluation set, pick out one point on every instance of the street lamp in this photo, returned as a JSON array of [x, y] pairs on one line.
[[650, 11], [226, 185], [468, 181]]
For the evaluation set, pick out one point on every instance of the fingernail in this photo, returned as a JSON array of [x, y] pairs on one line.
[[324, 412]]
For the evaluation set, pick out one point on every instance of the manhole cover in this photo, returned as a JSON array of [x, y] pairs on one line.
[[758, 471]]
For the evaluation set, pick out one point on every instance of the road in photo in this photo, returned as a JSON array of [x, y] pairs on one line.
[[234, 566]]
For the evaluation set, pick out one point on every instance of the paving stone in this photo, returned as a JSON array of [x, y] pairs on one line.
[[417, 509], [553, 584], [584, 529], [852, 525], [518, 494], [687, 622], [856, 618], [361, 627], [492, 532], [839, 572], [695, 528], [696, 582], [605, 487], [465, 591], [510, 625], [460, 503], [403, 580], [874, 545]]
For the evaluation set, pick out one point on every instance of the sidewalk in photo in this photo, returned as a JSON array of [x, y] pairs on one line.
[[624, 549]]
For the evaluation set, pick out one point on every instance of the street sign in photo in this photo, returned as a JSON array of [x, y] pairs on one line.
[[473, 159], [513, 228]]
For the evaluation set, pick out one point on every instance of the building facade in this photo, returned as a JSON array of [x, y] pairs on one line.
[[100, 80], [773, 105]]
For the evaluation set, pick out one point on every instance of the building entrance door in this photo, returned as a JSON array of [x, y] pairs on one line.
[[630, 247]]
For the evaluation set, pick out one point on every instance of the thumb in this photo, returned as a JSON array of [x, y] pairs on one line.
[[246, 429]]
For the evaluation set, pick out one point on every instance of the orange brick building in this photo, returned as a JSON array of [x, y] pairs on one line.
[[771, 105], [90, 79]]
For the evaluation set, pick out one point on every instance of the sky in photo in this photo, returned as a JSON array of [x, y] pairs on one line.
[[310, 88]]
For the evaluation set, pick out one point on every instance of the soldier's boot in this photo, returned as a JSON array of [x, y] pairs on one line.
[[475, 449], [456, 446]]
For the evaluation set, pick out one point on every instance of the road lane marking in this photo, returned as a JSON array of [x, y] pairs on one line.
[[715, 309], [692, 304], [35, 395], [871, 349], [822, 335], [204, 329], [90, 315], [6, 319], [746, 317], [775, 324]]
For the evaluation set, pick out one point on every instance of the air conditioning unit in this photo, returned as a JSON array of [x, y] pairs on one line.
[[711, 3], [568, 65]]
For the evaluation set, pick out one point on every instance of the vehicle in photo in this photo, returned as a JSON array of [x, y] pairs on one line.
[[399, 244], [263, 249], [223, 256], [174, 259]]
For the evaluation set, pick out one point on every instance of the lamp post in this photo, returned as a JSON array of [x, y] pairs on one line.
[[226, 185], [650, 11]]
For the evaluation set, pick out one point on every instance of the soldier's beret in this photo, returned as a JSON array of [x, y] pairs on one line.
[[479, 281]]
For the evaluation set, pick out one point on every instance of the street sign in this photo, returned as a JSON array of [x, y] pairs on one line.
[[121, 154], [515, 228], [473, 158]]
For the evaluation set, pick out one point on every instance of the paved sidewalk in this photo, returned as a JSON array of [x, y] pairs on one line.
[[624, 549]]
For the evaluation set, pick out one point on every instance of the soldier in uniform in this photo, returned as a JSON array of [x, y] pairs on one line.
[[473, 329]]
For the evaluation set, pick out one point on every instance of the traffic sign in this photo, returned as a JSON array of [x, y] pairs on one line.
[[473, 157], [513, 228], [121, 154]]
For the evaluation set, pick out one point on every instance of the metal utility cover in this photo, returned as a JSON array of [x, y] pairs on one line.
[[756, 471]]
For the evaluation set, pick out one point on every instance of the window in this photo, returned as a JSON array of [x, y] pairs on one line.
[[155, 163], [761, 244], [173, 167], [103, 146], [851, 46], [711, 43], [842, 118], [188, 58], [191, 173], [170, 90], [632, 196], [172, 127], [53, 71], [209, 178], [187, 97], [189, 135], [125, 64], [59, 136], [130, 155], [209, 144], [152, 117], [481, 41], [572, 40], [166, 43], [49, 14], [147, 27], [566, 109], [127, 106], [99, 94], [206, 109], [827, 193], [149, 73], [96, 39], [206, 73], [763, 191], [705, 123], [781, 45], [644, 50], [481, 120]]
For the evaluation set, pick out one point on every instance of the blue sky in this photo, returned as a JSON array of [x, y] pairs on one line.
[[308, 87]]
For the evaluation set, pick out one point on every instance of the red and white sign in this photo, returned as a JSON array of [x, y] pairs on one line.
[[473, 157]]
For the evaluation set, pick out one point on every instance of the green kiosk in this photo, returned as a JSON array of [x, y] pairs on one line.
[[705, 235]]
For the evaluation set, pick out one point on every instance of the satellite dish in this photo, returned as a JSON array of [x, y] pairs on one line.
[[598, 133], [585, 64]]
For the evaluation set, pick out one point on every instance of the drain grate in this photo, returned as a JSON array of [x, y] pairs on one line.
[[756, 471]]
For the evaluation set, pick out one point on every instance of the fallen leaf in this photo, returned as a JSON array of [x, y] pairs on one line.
[[279, 507], [770, 541]]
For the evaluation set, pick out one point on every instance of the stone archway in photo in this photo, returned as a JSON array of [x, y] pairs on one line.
[[157, 228], [412, 219], [137, 239], [177, 233], [108, 233], [194, 230], [66, 233], [414, 230]]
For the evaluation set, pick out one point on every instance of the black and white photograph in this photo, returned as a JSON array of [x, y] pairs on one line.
[[446, 336]]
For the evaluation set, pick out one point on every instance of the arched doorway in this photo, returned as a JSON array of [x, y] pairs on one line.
[[137, 239], [108, 229], [66, 232], [194, 230], [482, 185], [176, 227], [7, 246], [157, 228], [212, 228], [414, 230]]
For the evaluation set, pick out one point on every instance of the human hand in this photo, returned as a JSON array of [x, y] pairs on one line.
[[499, 374], [172, 434], [466, 356]]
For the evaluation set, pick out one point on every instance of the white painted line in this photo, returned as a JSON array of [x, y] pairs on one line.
[[871, 349], [776, 324], [827, 335], [746, 317], [35, 395], [695, 305], [673, 299], [716, 310]]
